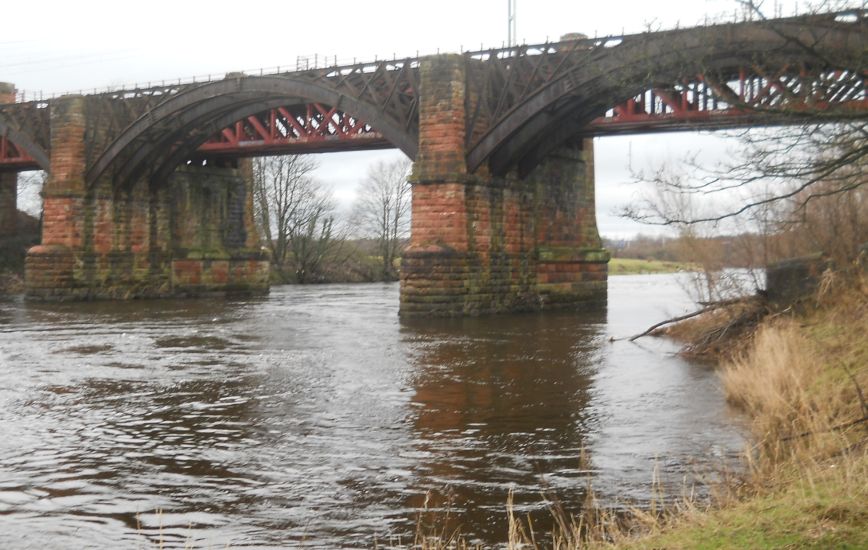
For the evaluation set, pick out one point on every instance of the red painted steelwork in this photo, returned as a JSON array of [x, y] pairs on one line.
[[295, 129], [751, 97], [748, 98], [12, 158], [745, 100]]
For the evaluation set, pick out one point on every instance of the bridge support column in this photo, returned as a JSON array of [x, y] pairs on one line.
[[8, 180], [438, 265], [214, 243], [483, 244], [571, 264], [193, 234], [49, 267], [8, 204]]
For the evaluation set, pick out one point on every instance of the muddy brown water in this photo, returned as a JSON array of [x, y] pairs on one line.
[[315, 418]]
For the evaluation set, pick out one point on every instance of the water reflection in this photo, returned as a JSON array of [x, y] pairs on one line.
[[502, 403], [314, 415]]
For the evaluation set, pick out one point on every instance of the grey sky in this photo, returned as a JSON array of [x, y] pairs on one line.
[[57, 46]]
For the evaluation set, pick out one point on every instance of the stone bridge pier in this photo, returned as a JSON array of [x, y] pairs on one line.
[[503, 174], [8, 204], [482, 243], [192, 234], [8, 180]]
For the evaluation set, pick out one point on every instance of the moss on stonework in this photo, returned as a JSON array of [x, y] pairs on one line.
[[570, 254], [210, 254]]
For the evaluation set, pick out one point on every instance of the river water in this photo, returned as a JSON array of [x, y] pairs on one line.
[[315, 417]]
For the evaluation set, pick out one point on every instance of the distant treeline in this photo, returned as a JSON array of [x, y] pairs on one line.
[[346, 261], [733, 251]]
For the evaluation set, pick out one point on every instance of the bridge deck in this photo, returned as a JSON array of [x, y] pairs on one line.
[[744, 95]]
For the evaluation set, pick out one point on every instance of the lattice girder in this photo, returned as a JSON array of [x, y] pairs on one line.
[[312, 127], [382, 94], [25, 136], [544, 108]]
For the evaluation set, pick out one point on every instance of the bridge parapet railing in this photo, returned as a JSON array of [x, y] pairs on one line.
[[331, 65], [317, 67]]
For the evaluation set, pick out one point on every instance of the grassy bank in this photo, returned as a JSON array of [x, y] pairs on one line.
[[801, 384], [798, 378], [633, 266]]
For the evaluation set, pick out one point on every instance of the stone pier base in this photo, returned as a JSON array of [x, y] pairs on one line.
[[484, 244], [189, 236]]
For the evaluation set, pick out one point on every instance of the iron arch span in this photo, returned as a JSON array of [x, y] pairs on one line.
[[162, 138], [606, 76], [32, 155]]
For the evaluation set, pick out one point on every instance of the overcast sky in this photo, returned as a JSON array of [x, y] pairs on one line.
[[57, 46]]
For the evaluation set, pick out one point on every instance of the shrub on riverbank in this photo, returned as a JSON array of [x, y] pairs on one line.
[[348, 261], [13, 251], [635, 266], [798, 376], [800, 383]]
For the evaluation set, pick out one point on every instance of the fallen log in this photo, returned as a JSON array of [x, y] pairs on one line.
[[708, 306]]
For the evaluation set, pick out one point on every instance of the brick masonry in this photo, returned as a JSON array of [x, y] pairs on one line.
[[483, 245], [8, 204], [191, 235], [479, 244], [8, 180]]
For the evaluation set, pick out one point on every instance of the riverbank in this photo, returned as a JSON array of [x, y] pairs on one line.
[[800, 381], [12, 253], [635, 266], [801, 384]]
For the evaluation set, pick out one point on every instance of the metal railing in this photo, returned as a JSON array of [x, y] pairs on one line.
[[317, 62]]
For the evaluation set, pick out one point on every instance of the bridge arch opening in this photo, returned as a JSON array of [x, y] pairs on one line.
[[789, 69], [18, 151], [164, 206], [185, 125]]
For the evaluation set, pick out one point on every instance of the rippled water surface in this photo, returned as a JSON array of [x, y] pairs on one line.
[[315, 417]]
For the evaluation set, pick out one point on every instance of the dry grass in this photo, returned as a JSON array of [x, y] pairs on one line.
[[800, 382], [772, 384], [720, 332], [799, 378]]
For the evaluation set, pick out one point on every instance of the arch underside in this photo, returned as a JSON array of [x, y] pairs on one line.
[[173, 131], [294, 129], [30, 155], [565, 108]]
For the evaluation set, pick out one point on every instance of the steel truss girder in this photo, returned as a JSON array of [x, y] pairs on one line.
[[520, 99], [312, 127], [12, 158], [187, 117], [755, 96]]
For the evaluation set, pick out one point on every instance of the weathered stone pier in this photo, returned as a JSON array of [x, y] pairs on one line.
[[149, 189]]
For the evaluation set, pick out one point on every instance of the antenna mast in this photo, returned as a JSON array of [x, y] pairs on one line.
[[511, 36]]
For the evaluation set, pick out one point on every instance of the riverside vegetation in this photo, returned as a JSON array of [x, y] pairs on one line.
[[800, 383], [798, 377]]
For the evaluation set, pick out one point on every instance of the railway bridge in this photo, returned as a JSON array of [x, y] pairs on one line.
[[149, 188]]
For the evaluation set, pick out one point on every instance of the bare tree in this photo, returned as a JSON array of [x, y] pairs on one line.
[[30, 186], [312, 237], [295, 216], [382, 210], [771, 185], [792, 165]]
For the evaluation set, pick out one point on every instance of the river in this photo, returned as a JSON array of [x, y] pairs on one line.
[[315, 417]]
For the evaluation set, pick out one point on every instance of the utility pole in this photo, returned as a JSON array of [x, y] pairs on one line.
[[512, 40]]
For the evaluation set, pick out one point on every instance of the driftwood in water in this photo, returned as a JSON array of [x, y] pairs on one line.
[[709, 306]]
